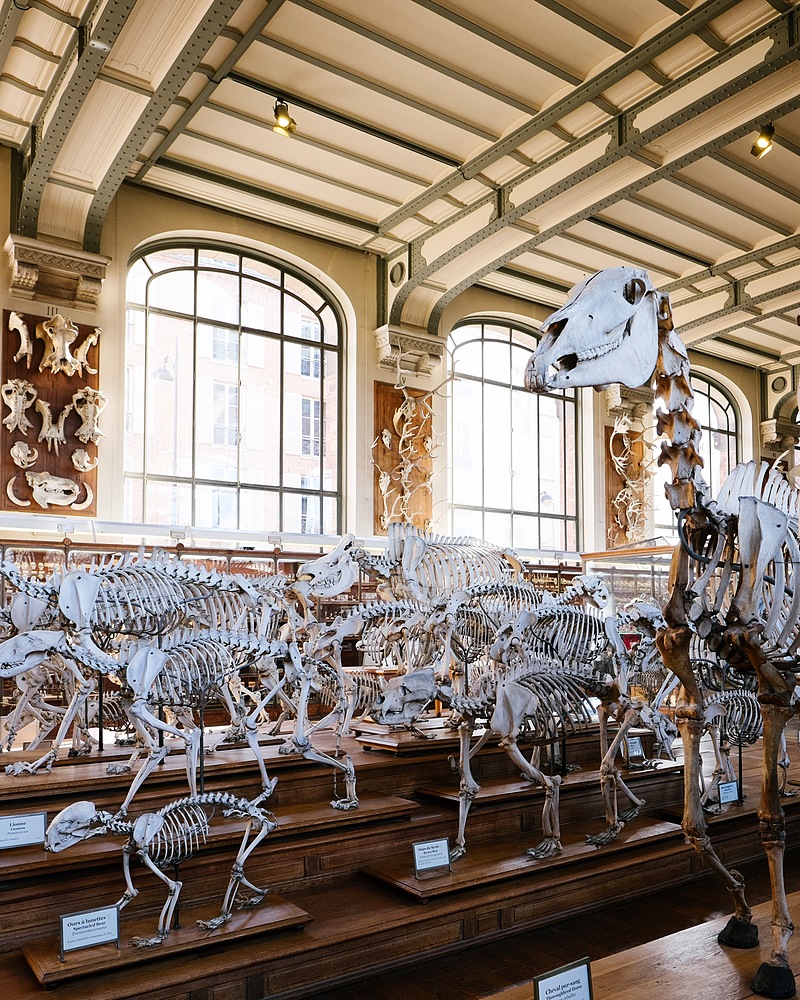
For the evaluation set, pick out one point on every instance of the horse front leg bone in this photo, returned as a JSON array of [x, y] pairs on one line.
[[468, 786], [673, 644]]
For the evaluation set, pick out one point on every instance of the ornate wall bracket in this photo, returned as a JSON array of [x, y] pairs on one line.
[[408, 350], [779, 435], [46, 271]]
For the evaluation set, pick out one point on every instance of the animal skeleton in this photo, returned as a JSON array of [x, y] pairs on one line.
[[164, 839], [734, 575], [58, 490]]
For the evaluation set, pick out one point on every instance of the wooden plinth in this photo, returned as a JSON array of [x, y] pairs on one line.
[[487, 864], [274, 914]]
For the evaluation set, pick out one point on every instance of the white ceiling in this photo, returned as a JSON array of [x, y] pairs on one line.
[[518, 144]]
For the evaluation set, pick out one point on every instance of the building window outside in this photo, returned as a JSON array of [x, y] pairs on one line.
[[512, 453], [310, 427], [232, 395], [716, 413]]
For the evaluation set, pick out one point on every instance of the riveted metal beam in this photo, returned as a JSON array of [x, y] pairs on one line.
[[203, 37], [664, 172], [594, 88], [614, 152], [71, 100]]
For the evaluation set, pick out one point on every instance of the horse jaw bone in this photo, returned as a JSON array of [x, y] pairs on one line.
[[606, 332]]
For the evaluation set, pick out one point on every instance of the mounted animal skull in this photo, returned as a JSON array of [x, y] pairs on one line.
[[89, 404], [18, 395], [59, 334], [605, 332], [57, 490]]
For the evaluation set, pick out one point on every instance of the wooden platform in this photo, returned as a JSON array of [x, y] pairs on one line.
[[334, 865], [688, 965]]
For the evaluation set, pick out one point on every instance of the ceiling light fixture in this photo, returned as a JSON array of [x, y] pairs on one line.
[[284, 123], [763, 143]]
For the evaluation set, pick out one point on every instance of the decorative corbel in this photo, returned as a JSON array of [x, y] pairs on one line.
[[60, 274], [408, 350]]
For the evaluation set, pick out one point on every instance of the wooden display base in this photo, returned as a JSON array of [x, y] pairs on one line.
[[486, 864], [274, 914], [373, 736]]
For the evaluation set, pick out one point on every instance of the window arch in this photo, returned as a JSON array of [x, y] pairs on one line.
[[716, 412], [232, 393], [512, 453]]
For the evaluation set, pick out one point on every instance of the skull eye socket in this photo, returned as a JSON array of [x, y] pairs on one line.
[[634, 291], [555, 330]]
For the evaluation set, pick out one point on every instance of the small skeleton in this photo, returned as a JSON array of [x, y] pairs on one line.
[[18, 395], [163, 840], [89, 403]]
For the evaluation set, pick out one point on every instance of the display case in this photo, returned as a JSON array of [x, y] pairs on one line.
[[635, 572]]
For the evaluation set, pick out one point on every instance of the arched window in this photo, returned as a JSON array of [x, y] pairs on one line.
[[512, 453], [716, 413], [232, 394]]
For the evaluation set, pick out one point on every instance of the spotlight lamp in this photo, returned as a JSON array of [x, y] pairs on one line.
[[763, 143], [284, 123]]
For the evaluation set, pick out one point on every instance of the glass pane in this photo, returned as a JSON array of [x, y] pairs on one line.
[[135, 372], [217, 428], [169, 396], [552, 534], [168, 503], [519, 362], [299, 320], [304, 291], [467, 522], [259, 454], [496, 361], [497, 528], [213, 257], [133, 494], [259, 511], [525, 452], [301, 514], [330, 516], [467, 443], [137, 282], [174, 291], [497, 447], [526, 532], [161, 260], [468, 359], [216, 507], [261, 306], [261, 269], [218, 296], [551, 456], [330, 326], [330, 389]]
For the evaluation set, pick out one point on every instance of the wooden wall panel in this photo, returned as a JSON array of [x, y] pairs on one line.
[[58, 388]]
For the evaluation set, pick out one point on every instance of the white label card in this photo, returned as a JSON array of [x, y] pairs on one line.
[[430, 854], [635, 746], [728, 792], [89, 928], [570, 982], [22, 830]]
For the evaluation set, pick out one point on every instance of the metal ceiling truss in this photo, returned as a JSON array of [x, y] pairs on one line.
[[782, 52], [45, 149]]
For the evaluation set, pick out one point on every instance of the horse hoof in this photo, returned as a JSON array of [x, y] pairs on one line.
[[773, 981], [740, 934]]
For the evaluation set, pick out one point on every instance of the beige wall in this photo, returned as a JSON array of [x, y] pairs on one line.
[[138, 216]]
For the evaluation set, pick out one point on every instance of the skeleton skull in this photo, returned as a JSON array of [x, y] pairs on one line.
[[606, 332], [75, 823]]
